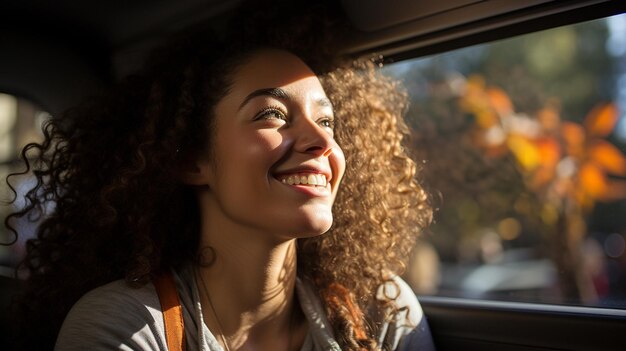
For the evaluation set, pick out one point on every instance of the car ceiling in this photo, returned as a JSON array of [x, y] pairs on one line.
[[117, 25]]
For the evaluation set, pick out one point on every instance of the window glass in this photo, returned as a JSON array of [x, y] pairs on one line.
[[523, 143], [20, 124]]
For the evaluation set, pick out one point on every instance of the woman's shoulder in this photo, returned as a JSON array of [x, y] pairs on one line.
[[114, 316], [407, 328], [406, 304], [121, 291]]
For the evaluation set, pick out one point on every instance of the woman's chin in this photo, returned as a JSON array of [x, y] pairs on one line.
[[315, 225]]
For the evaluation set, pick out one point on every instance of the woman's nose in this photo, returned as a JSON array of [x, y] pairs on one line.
[[313, 138]]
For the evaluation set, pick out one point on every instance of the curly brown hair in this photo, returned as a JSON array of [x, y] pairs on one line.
[[109, 167]]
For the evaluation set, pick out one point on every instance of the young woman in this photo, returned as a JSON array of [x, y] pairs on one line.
[[266, 178]]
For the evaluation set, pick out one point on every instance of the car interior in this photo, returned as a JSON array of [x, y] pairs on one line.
[[56, 53]]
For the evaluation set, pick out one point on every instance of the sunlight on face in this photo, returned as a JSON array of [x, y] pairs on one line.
[[276, 166]]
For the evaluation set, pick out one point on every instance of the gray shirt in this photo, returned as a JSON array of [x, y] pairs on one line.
[[118, 317]]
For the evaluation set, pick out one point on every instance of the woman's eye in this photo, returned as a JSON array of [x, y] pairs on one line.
[[271, 113], [327, 123]]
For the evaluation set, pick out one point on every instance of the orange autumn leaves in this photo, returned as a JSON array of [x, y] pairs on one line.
[[561, 159]]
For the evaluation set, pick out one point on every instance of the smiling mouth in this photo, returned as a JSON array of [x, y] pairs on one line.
[[305, 179]]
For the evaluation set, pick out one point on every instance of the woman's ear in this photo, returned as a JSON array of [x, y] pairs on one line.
[[195, 172]]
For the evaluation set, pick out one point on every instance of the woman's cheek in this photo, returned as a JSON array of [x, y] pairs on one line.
[[267, 143], [338, 166]]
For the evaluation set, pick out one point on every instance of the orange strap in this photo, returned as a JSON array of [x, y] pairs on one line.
[[172, 311]]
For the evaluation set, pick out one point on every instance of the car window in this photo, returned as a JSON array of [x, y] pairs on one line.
[[523, 146], [20, 123]]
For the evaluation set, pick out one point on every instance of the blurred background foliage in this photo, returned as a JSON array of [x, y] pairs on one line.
[[520, 150]]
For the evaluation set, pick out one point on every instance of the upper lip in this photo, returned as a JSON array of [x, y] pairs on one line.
[[306, 169]]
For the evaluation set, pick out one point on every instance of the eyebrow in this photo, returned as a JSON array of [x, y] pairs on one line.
[[280, 94], [275, 92], [324, 102]]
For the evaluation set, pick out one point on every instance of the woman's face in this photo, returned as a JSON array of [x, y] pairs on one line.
[[275, 166]]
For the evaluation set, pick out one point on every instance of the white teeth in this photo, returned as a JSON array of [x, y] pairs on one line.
[[321, 180], [308, 179]]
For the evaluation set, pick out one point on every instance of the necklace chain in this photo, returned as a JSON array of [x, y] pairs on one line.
[[219, 325], [208, 297]]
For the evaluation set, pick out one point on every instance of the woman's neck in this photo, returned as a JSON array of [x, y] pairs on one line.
[[250, 284]]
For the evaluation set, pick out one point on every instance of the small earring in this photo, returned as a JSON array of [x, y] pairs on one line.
[[206, 257]]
